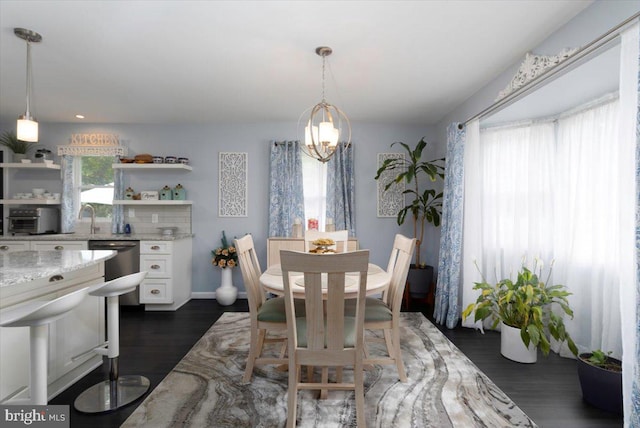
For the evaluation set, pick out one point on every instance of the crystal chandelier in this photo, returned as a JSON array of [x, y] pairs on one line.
[[27, 129], [324, 124]]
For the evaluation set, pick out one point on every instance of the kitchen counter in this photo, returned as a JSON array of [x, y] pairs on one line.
[[97, 237], [23, 267]]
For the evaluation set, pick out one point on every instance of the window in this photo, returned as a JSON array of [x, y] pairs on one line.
[[314, 182], [94, 184]]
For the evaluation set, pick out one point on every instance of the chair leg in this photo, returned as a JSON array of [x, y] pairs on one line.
[[324, 393], [358, 377], [292, 399], [255, 349], [397, 352]]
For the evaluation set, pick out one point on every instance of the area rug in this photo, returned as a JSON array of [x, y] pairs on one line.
[[444, 388]]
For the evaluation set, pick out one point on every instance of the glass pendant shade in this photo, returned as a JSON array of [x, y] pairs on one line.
[[27, 129]]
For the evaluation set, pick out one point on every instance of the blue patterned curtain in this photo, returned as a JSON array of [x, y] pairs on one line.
[[67, 210], [286, 194], [449, 265], [117, 222], [341, 199]]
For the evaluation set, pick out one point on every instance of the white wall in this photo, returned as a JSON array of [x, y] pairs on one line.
[[202, 143]]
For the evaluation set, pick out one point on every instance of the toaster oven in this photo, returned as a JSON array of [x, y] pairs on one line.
[[33, 220]]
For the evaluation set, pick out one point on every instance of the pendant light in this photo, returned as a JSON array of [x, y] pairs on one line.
[[324, 124], [27, 125]]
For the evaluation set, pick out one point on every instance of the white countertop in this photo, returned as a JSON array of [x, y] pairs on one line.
[[26, 266], [97, 237]]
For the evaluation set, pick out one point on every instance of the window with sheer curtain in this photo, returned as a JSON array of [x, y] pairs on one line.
[[552, 190]]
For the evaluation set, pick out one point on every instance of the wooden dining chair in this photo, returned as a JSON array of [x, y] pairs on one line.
[[340, 237], [266, 314], [384, 314], [325, 336]]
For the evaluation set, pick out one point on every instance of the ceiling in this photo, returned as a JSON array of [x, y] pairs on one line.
[[405, 62]]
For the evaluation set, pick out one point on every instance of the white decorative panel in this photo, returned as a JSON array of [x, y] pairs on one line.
[[233, 184], [392, 200]]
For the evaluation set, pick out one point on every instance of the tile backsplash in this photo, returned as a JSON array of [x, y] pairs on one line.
[[142, 221]]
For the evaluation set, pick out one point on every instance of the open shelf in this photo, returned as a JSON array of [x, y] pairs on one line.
[[29, 202], [151, 166], [32, 165], [150, 202]]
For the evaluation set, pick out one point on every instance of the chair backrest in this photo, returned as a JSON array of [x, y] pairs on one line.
[[250, 268], [398, 267], [340, 237], [325, 317]]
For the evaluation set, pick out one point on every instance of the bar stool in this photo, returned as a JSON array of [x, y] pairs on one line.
[[118, 391], [37, 316]]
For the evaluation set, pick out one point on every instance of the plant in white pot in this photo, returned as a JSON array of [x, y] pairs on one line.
[[425, 205], [600, 378], [524, 310], [19, 148]]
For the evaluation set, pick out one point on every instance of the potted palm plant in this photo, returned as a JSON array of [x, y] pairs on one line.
[[601, 380], [18, 147], [524, 310], [425, 206]]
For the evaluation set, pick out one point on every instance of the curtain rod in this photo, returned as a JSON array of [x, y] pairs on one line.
[[573, 60]]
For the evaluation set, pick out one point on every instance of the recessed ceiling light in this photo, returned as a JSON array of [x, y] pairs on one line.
[[79, 116]]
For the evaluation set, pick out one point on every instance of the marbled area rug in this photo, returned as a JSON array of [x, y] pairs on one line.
[[444, 388]]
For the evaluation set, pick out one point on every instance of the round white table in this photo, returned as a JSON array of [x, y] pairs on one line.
[[377, 281]]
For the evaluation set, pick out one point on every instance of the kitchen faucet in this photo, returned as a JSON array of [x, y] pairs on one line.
[[94, 229]]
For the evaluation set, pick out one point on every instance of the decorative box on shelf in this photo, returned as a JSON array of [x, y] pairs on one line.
[[149, 195]]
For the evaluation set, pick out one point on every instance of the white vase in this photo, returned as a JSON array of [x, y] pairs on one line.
[[513, 348], [226, 294]]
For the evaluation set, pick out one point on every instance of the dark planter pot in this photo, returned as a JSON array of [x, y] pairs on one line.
[[600, 387], [420, 280]]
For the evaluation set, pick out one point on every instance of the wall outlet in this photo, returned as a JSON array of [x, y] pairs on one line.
[[132, 212], [154, 218]]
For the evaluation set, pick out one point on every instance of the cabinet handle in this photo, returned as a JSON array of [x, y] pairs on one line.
[[155, 266], [155, 291], [55, 278], [4, 247], [58, 247], [155, 247]]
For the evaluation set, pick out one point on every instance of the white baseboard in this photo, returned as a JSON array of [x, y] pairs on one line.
[[212, 295]]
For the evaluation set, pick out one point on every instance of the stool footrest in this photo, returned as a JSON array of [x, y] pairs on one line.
[[100, 349]]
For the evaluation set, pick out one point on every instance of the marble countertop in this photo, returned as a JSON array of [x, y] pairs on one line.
[[97, 237], [26, 266]]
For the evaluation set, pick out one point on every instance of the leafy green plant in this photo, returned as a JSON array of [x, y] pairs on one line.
[[525, 304], [603, 360], [10, 140], [426, 205]]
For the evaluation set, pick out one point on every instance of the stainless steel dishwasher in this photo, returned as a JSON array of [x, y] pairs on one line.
[[127, 261]]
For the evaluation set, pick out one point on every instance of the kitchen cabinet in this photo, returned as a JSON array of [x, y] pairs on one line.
[[81, 329], [136, 167], [9, 246], [274, 245], [58, 245], [168, 282]]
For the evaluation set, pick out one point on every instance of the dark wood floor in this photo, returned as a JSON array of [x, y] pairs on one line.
[[152, 343]]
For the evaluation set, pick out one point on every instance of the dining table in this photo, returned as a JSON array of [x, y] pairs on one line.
[[378, 281]]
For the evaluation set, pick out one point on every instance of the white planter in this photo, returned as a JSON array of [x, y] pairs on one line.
[[512, 346], [226, 294]]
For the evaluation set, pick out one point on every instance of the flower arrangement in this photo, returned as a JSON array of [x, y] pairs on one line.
[[525, 304], [224, 256]]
